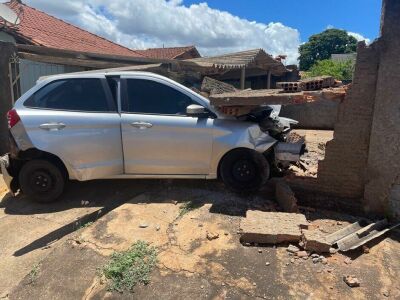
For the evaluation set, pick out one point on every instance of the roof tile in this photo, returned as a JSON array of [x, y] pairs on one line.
[[45, 30]]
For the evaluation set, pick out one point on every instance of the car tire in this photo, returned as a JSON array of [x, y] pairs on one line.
[[244, 170], [41, 180]]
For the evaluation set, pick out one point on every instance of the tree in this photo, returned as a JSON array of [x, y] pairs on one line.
[[341, 70], [321, 46]]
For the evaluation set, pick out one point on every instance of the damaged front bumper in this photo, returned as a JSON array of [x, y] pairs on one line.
[[4, 164]]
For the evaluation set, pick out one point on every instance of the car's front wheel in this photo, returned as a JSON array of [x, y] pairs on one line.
[[244, 170], [41, 180]]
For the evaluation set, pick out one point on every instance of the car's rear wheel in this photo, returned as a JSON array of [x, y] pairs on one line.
[[41, 180], [244, 170]]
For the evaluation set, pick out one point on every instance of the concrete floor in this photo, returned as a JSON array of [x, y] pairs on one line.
[[52, 240], [67, 256], [29, 231]]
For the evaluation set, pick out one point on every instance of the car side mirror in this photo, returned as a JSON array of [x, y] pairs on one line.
[[195, 110]]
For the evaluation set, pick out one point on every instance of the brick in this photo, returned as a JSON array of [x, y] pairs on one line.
[[285, 197]]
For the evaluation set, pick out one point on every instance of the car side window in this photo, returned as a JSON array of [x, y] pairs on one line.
[[86, 94], [151, 97]]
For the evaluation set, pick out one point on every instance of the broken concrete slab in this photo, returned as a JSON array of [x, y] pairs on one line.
[[315, 241], [271, 227], [285, 197]]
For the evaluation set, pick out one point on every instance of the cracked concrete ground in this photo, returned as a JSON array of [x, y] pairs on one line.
[[29, 231], [192, 266]]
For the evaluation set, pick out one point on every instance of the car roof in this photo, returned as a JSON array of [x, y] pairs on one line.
[[97, 74]]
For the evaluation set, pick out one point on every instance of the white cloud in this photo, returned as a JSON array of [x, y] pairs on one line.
[[359, 37], [142, 24]]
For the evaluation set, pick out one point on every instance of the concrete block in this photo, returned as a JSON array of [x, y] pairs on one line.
[[315, 241], [271, 227], [285, 197]]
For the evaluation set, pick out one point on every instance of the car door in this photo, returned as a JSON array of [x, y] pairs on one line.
[[76, 119], [158, 137]]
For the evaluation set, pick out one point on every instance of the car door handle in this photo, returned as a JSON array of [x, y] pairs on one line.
[[141, 125], [52, 126]]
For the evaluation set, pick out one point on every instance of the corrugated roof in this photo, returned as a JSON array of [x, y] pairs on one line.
[[42, 29], [250, 58]]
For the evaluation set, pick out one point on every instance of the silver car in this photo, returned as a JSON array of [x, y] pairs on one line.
[[135, 125]]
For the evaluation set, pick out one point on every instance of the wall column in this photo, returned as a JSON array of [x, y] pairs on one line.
[[6, 50]]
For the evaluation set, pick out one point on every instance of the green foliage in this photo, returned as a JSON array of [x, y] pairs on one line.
[[131, 267], [34, 272], [340, 70], [321, 46]]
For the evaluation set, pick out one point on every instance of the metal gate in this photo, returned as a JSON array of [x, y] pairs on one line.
[[24, 74]]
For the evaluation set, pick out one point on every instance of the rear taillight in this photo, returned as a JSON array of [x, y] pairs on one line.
[[12, 118]]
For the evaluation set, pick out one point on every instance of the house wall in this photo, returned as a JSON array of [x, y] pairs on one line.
[[316, 115]]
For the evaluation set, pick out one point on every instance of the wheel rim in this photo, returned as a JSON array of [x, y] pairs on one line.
[[41, 181], [244, 171]]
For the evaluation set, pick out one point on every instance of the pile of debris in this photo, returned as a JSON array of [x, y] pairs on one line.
[[231, 101], [292, 227]]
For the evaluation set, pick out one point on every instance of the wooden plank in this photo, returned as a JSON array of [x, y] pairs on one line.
[[82, 55], [70, 61]]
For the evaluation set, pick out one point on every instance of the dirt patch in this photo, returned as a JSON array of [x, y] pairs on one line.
[[181, 240], [200, 255]]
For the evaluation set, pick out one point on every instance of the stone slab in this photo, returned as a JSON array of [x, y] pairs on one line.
[[271, 227], [315, 241]]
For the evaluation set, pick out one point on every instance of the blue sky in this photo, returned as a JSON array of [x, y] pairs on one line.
[[218, 26], [308, 16]]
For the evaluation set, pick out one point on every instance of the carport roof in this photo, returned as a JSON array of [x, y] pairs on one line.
[[256, 58]]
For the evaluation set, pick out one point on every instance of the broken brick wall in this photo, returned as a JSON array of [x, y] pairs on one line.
[[342, 172], [362, 161], [383, 171]]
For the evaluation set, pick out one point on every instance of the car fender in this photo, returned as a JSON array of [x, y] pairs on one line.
[[230, 135]]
